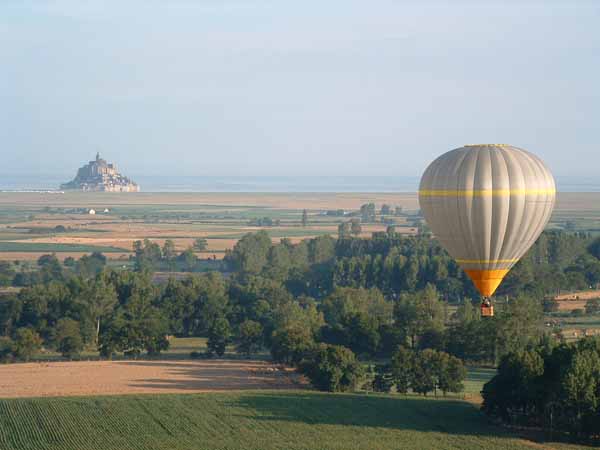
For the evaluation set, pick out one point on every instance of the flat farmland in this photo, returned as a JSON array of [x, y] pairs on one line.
[[32, 224]]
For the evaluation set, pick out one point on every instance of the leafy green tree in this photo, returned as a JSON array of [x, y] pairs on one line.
[[50, 269], [515, 388], [168, 253], [361, 333], [301, 312], [592, 306], [332, 368], [218, 337], [7, 348], [249, 255], [249, 337], [403, 369], [189, 259], [304, 218], [581, 387], [382, 380], [419, 312], [425, 370], [90, 265], [451, 374], [67, 337], [594, 248], [200, 244], [279, 262], [519, 325], [355, 227], [69, 261], [367, 212], [147, 255], [212, 302], [137, 324], [344, 230], [473, 340], [291, 343], [344, 302], [27, 343], [321, 249], [100, 298], [7, 273]]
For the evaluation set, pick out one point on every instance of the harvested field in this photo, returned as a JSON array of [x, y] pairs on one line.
[[282, 201], [580, 295], [570, 305], [51, 379]]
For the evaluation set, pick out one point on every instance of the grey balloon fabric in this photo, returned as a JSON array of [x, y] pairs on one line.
[[487, 204]]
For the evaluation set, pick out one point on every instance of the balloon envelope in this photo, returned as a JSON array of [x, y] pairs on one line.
[[487, 204]]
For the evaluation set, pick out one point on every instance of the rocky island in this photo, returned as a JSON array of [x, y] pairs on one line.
[[101, 176]]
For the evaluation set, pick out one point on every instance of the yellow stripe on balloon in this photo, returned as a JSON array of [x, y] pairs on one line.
[[485, 192]]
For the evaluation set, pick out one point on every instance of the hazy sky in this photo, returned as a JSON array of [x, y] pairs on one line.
[[254, 87]]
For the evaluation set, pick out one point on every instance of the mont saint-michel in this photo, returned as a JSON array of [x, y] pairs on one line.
[[99, 175]]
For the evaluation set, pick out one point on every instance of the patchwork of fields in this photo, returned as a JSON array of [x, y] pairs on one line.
[[35, 223], [28, 221]]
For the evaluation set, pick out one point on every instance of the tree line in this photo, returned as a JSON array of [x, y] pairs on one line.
[[555, 386]]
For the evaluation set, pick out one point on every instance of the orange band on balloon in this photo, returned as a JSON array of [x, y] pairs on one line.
[[487, 281]]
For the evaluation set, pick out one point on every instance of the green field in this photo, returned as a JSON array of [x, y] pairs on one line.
[[249, 420]]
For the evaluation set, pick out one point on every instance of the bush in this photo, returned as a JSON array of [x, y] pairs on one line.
[[218, 337], [332, 368], [67, 338], [6, 349], [592, 306], [27, 343], [250, 337], [577, 312], [290, 344]]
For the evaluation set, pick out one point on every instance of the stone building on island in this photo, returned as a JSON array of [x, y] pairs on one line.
[[101, 176]]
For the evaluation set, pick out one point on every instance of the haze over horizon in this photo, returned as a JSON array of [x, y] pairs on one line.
[[280, 88]]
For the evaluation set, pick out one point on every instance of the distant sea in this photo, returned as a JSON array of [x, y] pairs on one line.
[[269, 184]]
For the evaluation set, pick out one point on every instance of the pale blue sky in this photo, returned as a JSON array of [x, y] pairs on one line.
[[254, 87]]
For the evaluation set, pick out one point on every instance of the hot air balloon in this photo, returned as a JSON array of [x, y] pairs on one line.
[[487, 204]]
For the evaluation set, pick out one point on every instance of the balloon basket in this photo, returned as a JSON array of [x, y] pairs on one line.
[[487, 311]]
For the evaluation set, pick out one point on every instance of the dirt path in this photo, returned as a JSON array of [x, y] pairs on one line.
[[136, 377]]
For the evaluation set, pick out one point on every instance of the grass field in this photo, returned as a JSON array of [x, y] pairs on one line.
[[250, 421]]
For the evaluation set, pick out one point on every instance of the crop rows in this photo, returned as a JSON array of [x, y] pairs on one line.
[[261, 421]]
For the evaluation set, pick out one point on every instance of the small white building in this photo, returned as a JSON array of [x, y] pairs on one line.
[[106, 211], [92, 212]]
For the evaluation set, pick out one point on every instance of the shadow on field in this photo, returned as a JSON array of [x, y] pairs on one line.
[[217, 375], [401, 413]]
